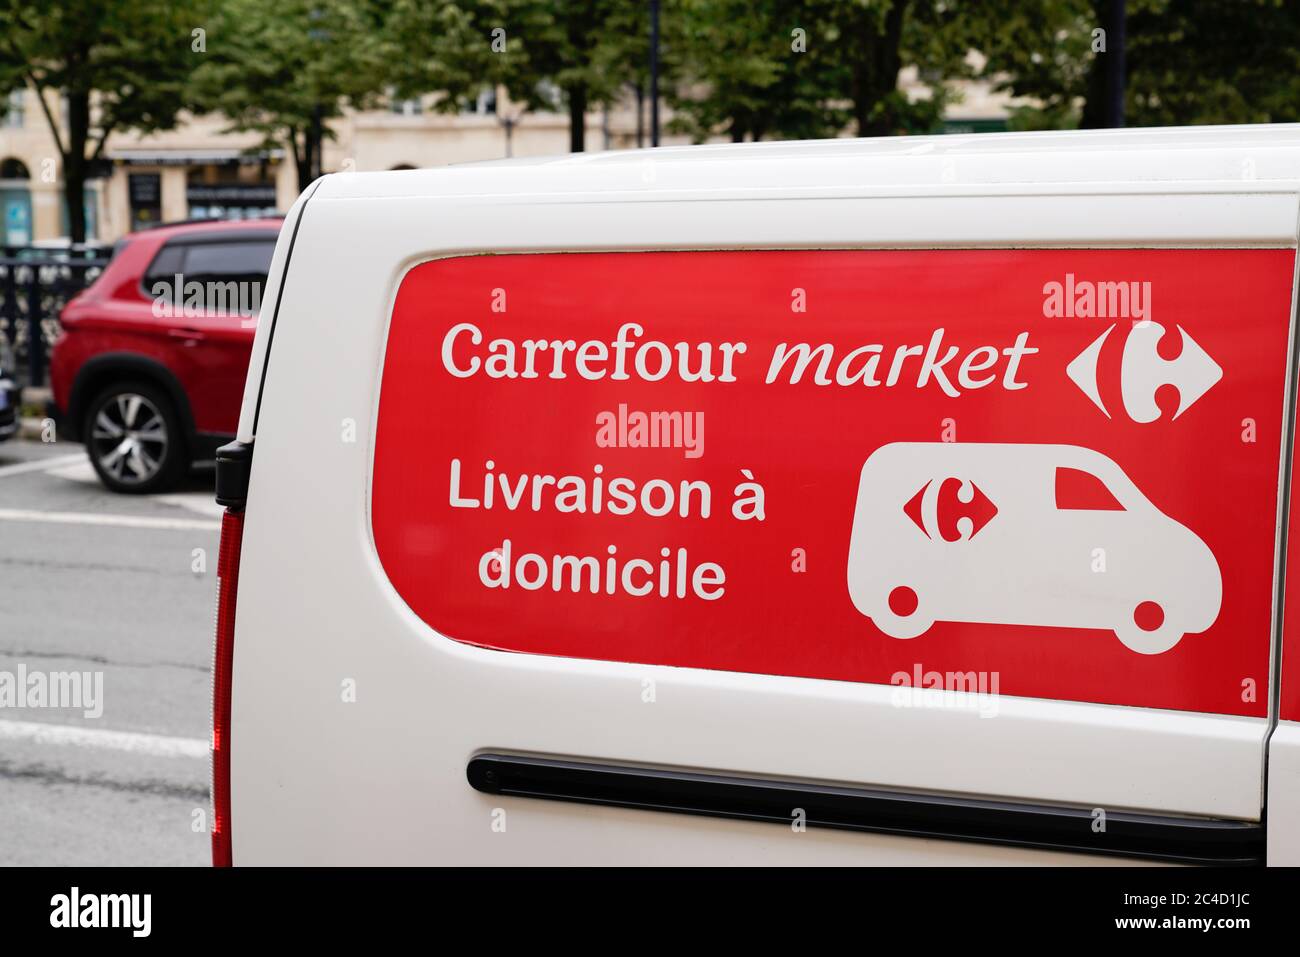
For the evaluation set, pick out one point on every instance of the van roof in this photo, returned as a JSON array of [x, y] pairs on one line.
[[1266, 155]]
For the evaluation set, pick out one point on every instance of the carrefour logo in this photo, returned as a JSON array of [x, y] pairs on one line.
[[1143, 371], [951, 510]]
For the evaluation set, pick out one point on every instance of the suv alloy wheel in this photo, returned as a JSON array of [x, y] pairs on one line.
[[133, 438]]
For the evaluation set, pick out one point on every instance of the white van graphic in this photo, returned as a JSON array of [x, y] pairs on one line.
[[1053, 535]]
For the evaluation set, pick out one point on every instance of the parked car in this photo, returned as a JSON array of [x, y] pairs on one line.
[[150, 365], [579, 508], [10, 395]]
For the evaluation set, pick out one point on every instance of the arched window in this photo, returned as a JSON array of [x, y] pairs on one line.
[[13, 169], [15, 203]]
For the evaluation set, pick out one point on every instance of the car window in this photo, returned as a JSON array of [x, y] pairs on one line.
[[240, 261], [165, 265], [1077, 490], [219, 278]]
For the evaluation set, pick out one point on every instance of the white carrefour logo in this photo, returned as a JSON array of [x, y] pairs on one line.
[[1143, 371]]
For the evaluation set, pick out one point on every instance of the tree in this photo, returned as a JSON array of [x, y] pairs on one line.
[[459, 48], [1188, 61], [750, 69], [574, 55], [872, 36], [116, 65], [586, 53], [285, 69], [800, 68], [1213, 61], [877, 38]]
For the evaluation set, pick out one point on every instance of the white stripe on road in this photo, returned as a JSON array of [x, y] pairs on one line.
[[136, 742], [201, 502], [92, 518], [39, 465]]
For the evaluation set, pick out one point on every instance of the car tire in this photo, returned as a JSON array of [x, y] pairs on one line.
[[895, 625], [133, 438], [1154, 641]]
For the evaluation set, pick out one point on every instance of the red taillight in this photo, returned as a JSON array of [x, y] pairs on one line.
[[223, 658]]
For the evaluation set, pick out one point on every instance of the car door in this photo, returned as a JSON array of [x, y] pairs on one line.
[[209, 331]]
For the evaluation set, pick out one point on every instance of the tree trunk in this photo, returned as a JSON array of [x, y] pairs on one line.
[[1093, 116], [301, 159], [318, 144], [640, 115], [74, 164], [875, 70], [307, 161], [577, 118], [1094, 101]]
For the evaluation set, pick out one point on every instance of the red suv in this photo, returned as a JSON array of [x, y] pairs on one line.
[[149, 371]]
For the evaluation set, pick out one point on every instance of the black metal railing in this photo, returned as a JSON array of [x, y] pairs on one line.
[[35, 284]]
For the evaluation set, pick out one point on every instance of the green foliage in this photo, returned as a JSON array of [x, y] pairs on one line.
[[278, 68], [752, 68], [1188, 61], [807, 68], [1038, 49], [586, 48], [448, 47], [1213, 61], [547, 55], [747, 69], [134, 57], [118, 65]]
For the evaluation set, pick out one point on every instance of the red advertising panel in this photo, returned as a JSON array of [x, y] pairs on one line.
[[1054, 469], [1289, 704]]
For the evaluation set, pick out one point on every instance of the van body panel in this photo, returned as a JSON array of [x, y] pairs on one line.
[[264, 322], [1287, 687], [1284, 795], [354, 720]]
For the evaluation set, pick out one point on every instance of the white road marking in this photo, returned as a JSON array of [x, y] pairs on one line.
[[44, 465], [136, 742], [202, 503], [121, 521], [79, 471]]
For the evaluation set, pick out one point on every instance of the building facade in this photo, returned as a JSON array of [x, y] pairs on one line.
[[202, 170]]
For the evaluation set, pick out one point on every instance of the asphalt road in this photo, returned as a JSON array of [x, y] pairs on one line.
[[104, 584]]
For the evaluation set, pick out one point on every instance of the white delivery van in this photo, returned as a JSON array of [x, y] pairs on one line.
[[579, 506]]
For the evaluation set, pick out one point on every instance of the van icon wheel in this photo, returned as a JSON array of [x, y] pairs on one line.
[[900, 616], [1148, 630]]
